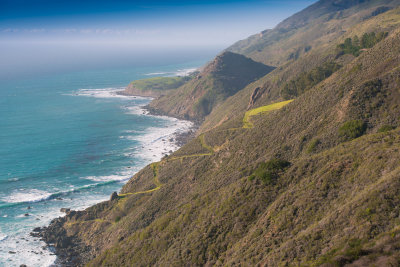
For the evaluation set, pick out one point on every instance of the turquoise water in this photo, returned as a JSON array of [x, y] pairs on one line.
[[67, 140]]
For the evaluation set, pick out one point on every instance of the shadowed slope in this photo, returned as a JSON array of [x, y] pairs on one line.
[[221, 78]]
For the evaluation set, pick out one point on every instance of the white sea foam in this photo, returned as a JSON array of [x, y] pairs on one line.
[[30, 250], [181, 72], [159, 141], [3, 236], [104, 93], [132, 131], [21, 248], [108, 178], [26, 195], [185, 72], [136, 110], [158, 73]]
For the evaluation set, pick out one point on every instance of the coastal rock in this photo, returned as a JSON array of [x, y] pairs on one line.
[[62, 242], [113, 196], [65, 210], [37, 229], [70, 250]]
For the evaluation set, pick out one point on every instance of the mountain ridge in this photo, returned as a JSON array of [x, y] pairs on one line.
[[300, 32]]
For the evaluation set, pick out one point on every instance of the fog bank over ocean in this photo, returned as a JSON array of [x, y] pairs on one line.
[[21, 60]]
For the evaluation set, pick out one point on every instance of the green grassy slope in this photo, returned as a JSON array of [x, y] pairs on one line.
[[261, 110], [314, 183], [155, 86]]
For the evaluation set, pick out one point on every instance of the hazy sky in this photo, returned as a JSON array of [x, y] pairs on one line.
[[33, 29], [205, 22]]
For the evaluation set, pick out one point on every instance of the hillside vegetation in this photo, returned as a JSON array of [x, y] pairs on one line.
[[156, 86], [356, 45], [310, 181], [326, 35]]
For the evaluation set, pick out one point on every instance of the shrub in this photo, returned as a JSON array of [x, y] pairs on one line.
[[349, 47], [354, 249], [252, 177], [386, 128], [307, 80], [203, 106], [269, 171], [352, 129], [313, 144]]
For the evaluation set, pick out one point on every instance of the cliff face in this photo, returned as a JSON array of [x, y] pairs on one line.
[[312, 182]]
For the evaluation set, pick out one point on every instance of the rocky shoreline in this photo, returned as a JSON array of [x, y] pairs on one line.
[[70, 250], [180, 138]]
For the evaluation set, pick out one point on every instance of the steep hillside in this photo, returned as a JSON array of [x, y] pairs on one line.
[[309, 181], [268, 89], [316, 25], [224, 76]]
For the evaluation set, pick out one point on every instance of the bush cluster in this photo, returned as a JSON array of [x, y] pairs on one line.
[[307, 80], [313, 144], [352, 129], [269, 171], [354, 45]]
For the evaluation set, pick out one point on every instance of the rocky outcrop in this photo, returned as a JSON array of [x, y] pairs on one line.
[[69, 249], [113, 196], [257, 93]]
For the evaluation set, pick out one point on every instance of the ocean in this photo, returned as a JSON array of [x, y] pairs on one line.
[[67, 140]]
